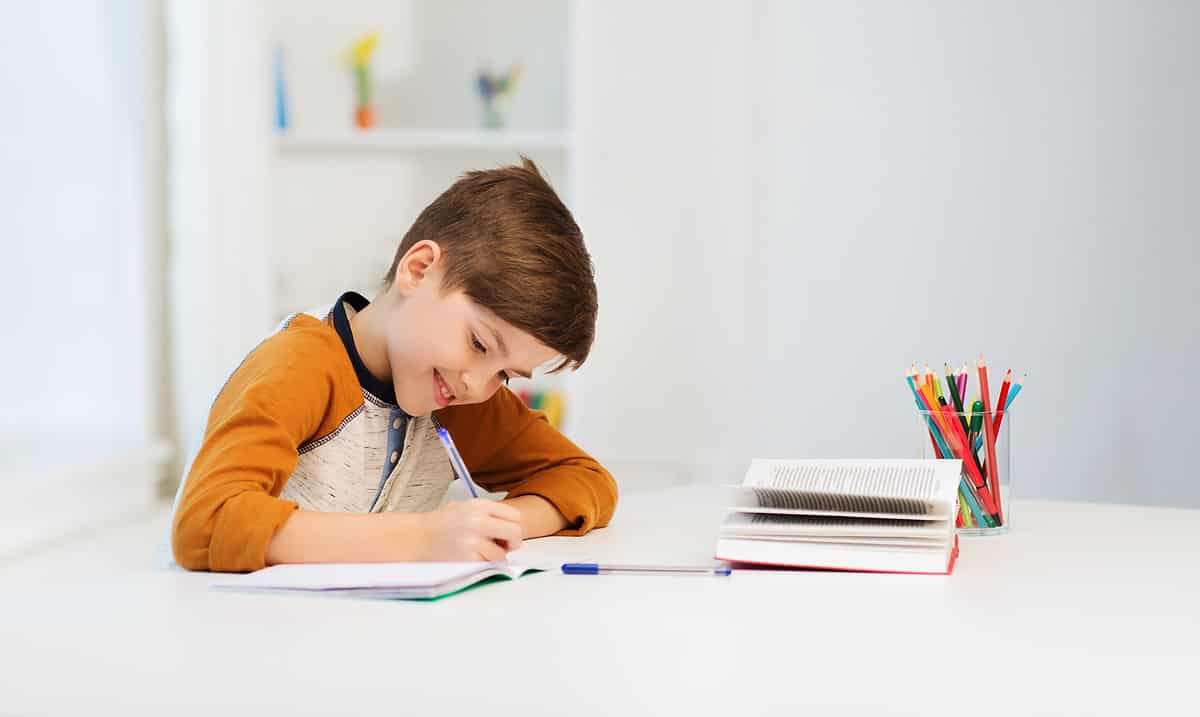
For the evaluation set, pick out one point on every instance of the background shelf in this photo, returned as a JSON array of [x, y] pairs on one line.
[[425, 139]]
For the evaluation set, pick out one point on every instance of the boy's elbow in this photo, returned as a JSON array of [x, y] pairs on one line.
[[228, 534], [603, 489], [189, 540], [608, 500]]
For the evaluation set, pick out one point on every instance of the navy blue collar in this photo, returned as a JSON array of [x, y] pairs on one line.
[[377, 387]]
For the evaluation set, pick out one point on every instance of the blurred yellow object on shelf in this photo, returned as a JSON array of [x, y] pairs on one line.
[[551, 403], [361, 51], [552, 406]]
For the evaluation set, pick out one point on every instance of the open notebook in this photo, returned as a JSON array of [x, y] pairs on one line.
[[885, 516], [374, 580]]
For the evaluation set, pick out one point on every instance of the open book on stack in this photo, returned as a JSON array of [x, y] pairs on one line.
[[882, 516]]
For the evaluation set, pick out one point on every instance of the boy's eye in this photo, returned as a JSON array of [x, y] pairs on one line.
[[483, 350]]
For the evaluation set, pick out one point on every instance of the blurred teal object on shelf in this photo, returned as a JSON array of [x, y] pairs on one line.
[[281, 112]]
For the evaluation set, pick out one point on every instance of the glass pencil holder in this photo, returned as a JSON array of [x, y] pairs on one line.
[[985, 486]]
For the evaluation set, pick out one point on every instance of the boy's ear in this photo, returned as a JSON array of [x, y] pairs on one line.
[[416, 265]]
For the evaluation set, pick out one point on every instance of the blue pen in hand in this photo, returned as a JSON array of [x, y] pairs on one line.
[[456, 461]]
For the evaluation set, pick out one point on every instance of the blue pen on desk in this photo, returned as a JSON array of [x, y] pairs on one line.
[[456, 461], [719, 569]]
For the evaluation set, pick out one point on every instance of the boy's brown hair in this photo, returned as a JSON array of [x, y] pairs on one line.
[[512, 246]]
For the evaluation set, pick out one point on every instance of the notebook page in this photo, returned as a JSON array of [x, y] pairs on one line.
[[336, 576]]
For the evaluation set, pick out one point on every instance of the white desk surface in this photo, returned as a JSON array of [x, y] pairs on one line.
[[1081, 609]]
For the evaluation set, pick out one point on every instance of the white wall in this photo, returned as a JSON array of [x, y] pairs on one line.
[[663, 193], [219, 129], [81, 366], [1047, 147], [78, 350], [1035, 156]]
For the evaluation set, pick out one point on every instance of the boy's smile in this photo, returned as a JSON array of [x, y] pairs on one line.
[[444, 395], [439, 349]]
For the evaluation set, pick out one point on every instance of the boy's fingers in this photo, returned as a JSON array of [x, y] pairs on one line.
[[490, 552], [502, 531], [509, 534], [504, 511]]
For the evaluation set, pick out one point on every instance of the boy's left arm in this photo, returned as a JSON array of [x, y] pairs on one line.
[[507, 447]]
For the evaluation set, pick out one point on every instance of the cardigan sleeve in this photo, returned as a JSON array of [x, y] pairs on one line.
[[277, 399]]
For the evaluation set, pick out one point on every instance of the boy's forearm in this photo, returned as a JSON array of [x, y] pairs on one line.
[[315, 537], [538, 516]]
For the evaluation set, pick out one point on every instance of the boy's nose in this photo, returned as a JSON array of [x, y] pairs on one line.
[[465, 388], [470, 386]]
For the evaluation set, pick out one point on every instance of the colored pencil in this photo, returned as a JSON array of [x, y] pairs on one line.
[[921, 396], [952, 384], [939, 450], [961, 416], [1008, 401], [959, 440], [989, 435], [976, 434], [952, 439], [967, 491], [1015, 390], [1001, 401]]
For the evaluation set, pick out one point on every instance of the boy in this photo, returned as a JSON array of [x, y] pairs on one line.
[[322, 445]]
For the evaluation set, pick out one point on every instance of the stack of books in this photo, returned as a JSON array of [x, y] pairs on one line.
[[877, 516]]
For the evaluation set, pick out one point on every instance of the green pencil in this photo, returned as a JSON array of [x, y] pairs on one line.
[[952, 384]]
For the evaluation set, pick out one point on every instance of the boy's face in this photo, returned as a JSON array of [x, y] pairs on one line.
[[439, 344]]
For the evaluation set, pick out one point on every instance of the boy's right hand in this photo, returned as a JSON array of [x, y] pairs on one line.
[[476, 529]]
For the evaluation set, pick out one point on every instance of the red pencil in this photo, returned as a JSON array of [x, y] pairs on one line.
[[989, 437], [1003, 397]]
